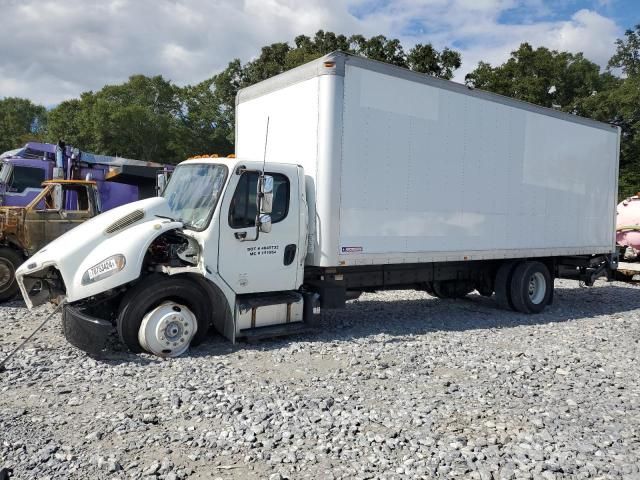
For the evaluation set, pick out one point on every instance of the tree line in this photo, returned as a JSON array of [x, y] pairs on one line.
[[150, 118]]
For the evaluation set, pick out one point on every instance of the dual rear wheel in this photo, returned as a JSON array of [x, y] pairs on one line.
[[526, 287]]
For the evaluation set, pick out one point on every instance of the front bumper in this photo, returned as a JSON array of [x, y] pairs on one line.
[[84, 331]]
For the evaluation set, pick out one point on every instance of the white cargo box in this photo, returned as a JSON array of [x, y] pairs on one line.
[[409, 168]]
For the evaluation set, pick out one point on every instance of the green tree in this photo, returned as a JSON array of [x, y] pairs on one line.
[[208, 119], [424, 58], [71, 121], [152, 119], [541, 76], [627, 56], [141, 118], [218, 106], [619, 104], [138, 119], [20, 121]]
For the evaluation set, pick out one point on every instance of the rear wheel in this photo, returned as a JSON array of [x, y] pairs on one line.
[[502, 285], [531, 287], [163, 316], [10, 260]]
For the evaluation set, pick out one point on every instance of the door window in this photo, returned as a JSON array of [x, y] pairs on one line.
[[75, 198], [26, 177], [242, 213], [71, 198]]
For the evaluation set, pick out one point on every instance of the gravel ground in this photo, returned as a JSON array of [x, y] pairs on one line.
[[398, 385]]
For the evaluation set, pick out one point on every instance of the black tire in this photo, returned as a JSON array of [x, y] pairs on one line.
[[528, 299], [151, 292], [10, 260], [502, 285], [452, 289]]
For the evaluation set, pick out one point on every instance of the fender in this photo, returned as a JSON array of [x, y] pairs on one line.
[[222, 314]]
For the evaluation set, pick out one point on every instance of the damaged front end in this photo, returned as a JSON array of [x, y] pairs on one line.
[[89, 321], [41, 286], [81, 327]]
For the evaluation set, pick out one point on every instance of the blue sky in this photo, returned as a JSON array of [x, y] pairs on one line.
[[65, 47], [621, 11]]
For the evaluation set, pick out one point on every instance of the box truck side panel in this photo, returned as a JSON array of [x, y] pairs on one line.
[[293, 125], [433, 174]]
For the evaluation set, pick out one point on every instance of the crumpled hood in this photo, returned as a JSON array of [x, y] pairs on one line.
[[127, 230]]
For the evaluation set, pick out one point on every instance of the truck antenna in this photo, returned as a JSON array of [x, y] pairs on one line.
[[266, 139]]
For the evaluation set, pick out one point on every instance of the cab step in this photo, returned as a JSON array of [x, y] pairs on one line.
[[253, 335]]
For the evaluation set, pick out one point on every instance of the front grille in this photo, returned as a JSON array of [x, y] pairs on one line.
[[125, 221]]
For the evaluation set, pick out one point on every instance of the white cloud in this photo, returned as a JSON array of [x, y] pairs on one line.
[[57, 49], [586, 32]]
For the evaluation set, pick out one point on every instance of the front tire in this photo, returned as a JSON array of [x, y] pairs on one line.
[[10, 260], [159, 315]]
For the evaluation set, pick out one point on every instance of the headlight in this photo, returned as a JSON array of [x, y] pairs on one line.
[[104, 269]]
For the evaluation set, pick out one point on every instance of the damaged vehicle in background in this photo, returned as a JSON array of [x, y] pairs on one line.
[[60, 206], [375, 178]]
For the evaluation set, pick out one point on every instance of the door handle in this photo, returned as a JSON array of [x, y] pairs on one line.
[[289, 254], [240, 235]]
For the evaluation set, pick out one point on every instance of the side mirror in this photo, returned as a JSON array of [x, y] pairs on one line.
[[265, 191], [161, 182], [265, 223]]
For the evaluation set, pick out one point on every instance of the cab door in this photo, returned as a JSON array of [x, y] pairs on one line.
[[270, 263], [73, 207]]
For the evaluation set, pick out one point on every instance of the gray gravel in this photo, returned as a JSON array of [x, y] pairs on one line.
[[398, 385]]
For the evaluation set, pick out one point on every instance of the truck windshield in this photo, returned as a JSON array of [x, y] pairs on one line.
[[193, 192]]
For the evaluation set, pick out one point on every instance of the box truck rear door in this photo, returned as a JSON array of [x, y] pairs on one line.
[[267, 264]]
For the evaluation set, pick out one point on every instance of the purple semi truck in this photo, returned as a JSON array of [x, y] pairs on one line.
[[46, 190], [119, 180]]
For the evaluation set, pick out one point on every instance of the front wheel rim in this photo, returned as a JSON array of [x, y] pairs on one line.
[[167, 330], [537, 288]]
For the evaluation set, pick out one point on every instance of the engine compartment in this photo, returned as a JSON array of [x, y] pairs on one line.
[[171, 249]]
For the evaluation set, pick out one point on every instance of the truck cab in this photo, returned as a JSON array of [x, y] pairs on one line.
[[225, 245], [20, 182], [59, 206]]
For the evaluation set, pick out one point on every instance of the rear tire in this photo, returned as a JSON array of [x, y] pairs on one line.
[[10, 260], [531, 287], [503, 285], [152, 292]]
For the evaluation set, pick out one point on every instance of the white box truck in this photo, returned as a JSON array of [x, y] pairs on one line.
[[370, 177]]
